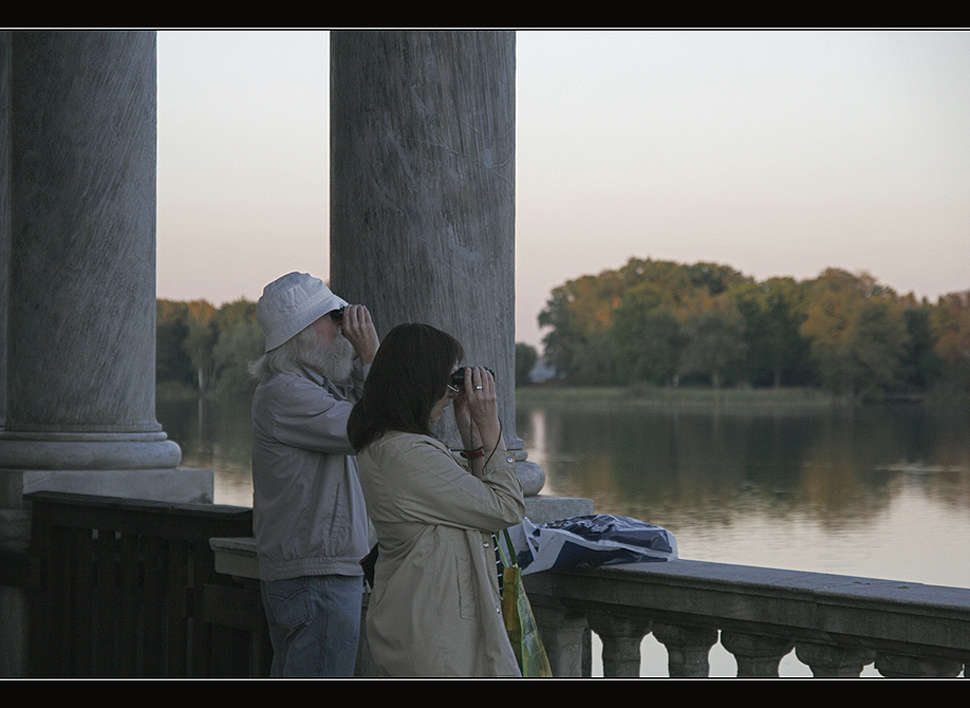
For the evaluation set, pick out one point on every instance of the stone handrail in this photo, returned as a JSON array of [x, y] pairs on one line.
[[837, 625]]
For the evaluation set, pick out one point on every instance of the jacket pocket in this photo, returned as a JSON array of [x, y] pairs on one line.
[[466, 589]]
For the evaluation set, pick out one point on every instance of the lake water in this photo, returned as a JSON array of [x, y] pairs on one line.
[[881, 492]]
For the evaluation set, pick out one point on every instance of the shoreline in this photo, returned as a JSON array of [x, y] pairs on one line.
[[686, 397]]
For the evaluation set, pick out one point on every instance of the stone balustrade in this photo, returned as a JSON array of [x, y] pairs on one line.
[[837, 625]]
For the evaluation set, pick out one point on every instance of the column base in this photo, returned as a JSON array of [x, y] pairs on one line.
[[87, 451]]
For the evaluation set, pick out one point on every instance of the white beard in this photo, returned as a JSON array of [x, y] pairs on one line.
[[334, 361]]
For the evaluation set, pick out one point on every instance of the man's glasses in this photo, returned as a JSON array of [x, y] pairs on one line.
[[337, 315]]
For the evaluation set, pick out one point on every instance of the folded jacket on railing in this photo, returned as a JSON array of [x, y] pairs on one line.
[[590, 541]]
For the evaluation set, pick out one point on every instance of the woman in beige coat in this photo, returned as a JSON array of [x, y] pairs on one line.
[[435, 609]]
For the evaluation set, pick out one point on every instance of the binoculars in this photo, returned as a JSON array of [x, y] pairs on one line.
[[458, 378]]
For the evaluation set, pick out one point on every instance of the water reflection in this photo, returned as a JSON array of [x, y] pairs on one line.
[[876, 492], [879, 492], [214, 435]]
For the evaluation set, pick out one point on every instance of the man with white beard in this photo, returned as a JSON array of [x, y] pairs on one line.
[[309, 519]]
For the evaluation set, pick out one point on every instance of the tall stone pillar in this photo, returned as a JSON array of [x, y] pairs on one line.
[[80, 330], [422, 200], [5, 50], [77, 287]]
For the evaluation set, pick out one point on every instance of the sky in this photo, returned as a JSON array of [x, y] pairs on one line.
[[778, 153]]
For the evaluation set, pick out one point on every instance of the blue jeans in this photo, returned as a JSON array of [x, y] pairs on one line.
[[314, 624]]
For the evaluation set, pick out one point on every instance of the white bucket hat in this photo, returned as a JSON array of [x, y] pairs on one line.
[[292, 303]]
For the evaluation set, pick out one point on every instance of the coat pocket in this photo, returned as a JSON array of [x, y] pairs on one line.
[[466, 590]]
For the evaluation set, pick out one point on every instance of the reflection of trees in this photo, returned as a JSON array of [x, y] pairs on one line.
[[674, 461], [835, 483], [670, 466], [216, 435], [950, 452], [854, 463], [687, 468]]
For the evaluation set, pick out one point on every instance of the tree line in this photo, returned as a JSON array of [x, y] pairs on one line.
[[664, 323], [205, 350]]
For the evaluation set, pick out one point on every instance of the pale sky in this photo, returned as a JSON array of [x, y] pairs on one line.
[[777, 153]]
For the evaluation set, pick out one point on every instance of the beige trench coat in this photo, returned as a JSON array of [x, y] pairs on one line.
[[435, 609]]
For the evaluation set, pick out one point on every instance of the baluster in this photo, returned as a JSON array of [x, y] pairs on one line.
[[565, 636], [688, 649], [901, 666], [830, 661], [621, 642], [757, 655]]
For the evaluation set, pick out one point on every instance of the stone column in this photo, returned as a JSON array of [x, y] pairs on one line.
[[80, 359], [5, 49], [14, 530], [78, 186], [77, 293], [423, 191]]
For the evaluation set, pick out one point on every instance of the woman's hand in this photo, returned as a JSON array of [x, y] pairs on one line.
[[480, 394], [477, 409], [358, 329]]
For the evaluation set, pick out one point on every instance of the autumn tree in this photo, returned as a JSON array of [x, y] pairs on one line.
[[950, 322], [207, 349], [776, 353], [172, 363], [713, 341], [580, 314], [201, 338], [236, 348], [526, 357], [651, 321], [856, 331], [646, 336], [921, 363], [604, 327]]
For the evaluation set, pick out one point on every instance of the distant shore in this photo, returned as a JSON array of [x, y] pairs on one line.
[[679, 397]]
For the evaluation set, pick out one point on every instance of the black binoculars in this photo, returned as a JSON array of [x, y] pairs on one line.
[[458, 378]]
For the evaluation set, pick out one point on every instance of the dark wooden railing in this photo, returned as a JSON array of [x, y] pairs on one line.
[[126, 588]]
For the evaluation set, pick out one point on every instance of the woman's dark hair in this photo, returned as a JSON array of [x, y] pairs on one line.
[[410, 373]]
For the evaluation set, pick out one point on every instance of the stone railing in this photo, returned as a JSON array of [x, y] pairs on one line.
[[113, 581], [837, 625]]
